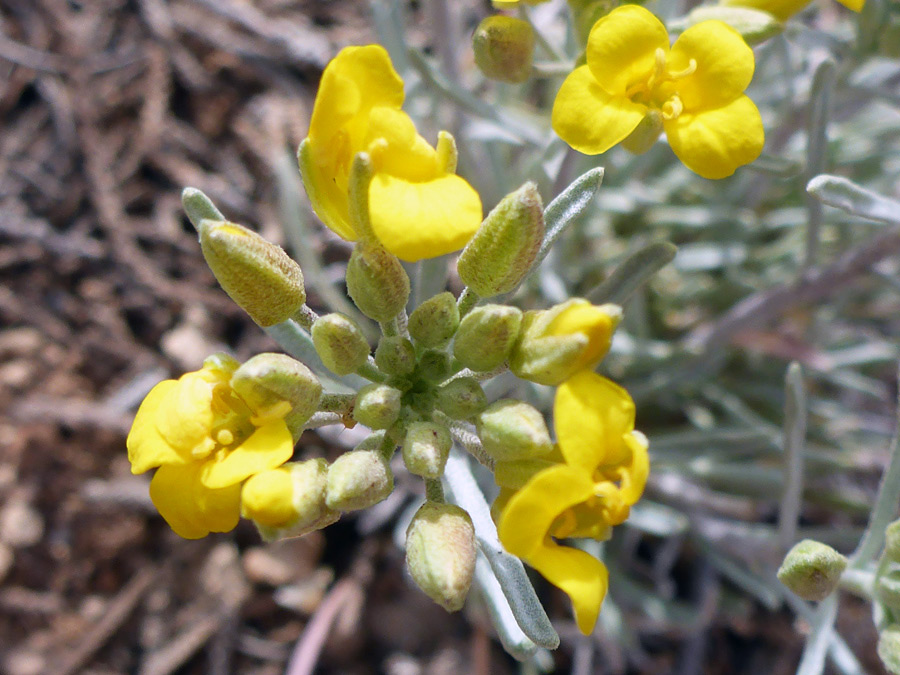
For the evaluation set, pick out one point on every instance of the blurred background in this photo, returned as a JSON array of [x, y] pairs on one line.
[[110, 107]]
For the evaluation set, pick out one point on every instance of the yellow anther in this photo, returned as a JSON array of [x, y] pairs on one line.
[[224, 437], [672, 108], [203, 449]]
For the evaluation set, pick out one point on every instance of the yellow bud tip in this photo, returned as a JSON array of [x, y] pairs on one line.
[[267, 498]]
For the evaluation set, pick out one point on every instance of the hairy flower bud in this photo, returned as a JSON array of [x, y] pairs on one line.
[[512, 430], [269, 382], [377, 282], [358, 479], [754, 25], [377, 406], [339, 343], [504, 48], [555, 344], [258, 275], [889, 648], [395, 355], [426, 448], [812, 569], [434, 322], [440, 553], [887, 589], [486, 336], [461, 398], [501, 253], [434, 365], [288, 501]]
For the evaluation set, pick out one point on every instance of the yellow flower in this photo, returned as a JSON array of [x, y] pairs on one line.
[[784, 9], [418, 207], [206, 441], [693, 90], [600, 471]]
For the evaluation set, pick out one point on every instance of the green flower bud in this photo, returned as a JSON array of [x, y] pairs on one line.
[[555, 344], [511, 430], [812, 569], [377, 406], [435, 321], [888, 589], [754, 25], [889, 648], [357, 480], [339, 343], [461, 398], [258, 275], [377, 282], [501, 253], [440, 553], [486, 336], [645, 134], [434, 365], [288, 501], [504, 48], [426, 448], [395, 356], [892, 542], [272, 383]]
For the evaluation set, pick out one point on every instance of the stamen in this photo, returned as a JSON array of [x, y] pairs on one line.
[[672, 108], [690, 70], [203, 449], [224, 437]]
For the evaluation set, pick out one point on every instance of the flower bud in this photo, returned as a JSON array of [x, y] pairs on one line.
[[511, 430], [486, 336], [271, 383], [461, 398], [555, 344], [288, 501], [377, 282], [377, 406], [395, 356], [426, 448], [501, 253], [434, 365], [892, 542], [435, 321], [199, 207], [504, 48], [887, 589], [645, 134], [754, 25], [812, 569], [358, 479], [889, 648], [258, 275], [440, 553], [339, 343]]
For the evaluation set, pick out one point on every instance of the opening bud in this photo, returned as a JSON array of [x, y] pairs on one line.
[[504, 48], [288, 501], [426, 448], [435, 321], [461, 398], [889, 648], [486, 336], [377, 282], [339, 343], [501, 253], [812, 569], [377, 406], [258, 275], [358, 479], [269, 382], [512, 430], [395, 356], [555, 344], [440, 553]]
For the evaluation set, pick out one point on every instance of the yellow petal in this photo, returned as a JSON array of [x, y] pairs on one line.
[[713, 143], [268, 447], [423, 220], [185, 416], [146, 447], [780, 9], [526, 520], [268, 497], [588, 118], [855, 5], [396, 149], [591, 415], [190, 509], [597, 323], [581, 576], [635, 476], [724, 65], [621, 49], [516, 473]]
